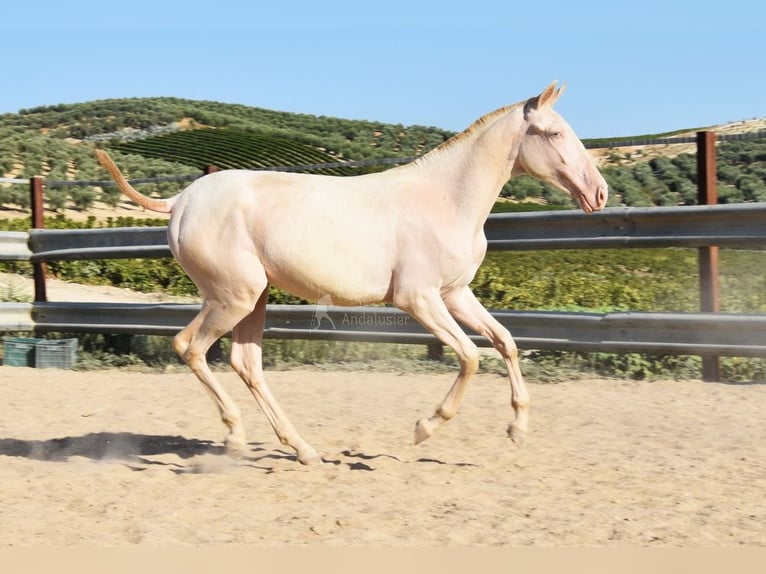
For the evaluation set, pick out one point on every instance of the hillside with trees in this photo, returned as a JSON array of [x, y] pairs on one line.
[[155, 137]]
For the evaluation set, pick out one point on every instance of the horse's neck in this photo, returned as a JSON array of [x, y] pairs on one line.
[[475, 167]]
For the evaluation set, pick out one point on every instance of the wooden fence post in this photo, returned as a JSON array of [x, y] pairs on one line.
[[707, 194], [36, 185], [435, 352]]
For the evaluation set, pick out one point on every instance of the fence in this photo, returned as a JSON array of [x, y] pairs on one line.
[[708, 333], [705, 334]]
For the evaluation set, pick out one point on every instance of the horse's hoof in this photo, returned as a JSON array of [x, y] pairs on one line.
[[234, 450], [423, 429], [309, 458], [517, 436], [235, 446]]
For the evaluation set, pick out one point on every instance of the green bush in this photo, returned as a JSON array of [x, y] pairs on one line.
[[596, 280]]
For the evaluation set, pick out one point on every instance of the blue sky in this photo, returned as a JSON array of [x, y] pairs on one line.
[[630, 68]]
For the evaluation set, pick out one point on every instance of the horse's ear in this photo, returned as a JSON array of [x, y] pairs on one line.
[[550, 95]]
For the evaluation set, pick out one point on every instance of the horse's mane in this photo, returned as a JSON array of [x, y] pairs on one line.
[[473, 128]]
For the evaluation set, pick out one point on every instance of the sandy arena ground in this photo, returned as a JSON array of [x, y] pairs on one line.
[[121, 458], [117, 458]]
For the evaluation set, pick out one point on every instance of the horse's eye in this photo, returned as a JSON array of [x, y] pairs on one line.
[[557, 135]]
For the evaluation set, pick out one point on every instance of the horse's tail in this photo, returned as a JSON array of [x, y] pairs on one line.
[[160, 205]]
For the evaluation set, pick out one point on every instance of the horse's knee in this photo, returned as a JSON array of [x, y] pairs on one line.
[[470, 361], [506, 346], [190, 353], [180, 345]]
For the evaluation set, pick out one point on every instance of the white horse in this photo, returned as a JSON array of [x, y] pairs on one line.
[[412, 236]]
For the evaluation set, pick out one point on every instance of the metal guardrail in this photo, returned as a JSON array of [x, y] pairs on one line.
[[735, 225], [115, 243], [14, 246], [16, 317], [706, 334], [673, 333]]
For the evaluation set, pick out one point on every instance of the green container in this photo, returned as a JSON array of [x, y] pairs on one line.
[[20, 351]]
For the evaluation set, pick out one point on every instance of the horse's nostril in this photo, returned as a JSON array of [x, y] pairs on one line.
[[602, 195]]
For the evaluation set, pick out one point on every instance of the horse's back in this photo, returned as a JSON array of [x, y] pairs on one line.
[[313, 235]]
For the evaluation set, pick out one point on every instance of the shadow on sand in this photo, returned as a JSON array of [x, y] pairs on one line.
[[134, 451], [107, 446]]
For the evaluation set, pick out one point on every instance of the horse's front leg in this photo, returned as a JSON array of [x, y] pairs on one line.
[[471, 313], [429, 309]]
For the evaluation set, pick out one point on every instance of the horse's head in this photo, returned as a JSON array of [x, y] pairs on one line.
[[551, 151]]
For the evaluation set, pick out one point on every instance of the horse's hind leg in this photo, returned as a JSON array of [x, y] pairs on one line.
[[246, 359], [193, 342]]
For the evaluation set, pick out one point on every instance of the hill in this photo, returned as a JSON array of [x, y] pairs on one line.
[[155, 137], [140, 117]]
